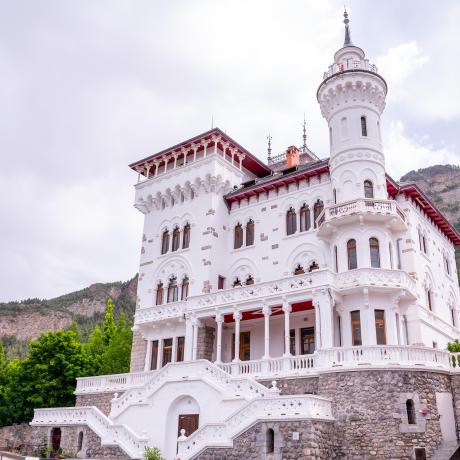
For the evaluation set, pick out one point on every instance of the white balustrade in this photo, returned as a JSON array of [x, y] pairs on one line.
[[270, 407], [356, 64], [112, 383], [260, 290], [361, 205], [160, 312], [110, 433], [379, 277]]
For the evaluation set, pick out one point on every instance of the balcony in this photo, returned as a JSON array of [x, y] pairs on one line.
[[351, 65], [367, 209], [160, 312], [379, 279]]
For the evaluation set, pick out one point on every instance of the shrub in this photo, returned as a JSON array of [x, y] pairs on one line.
[[153, 453]]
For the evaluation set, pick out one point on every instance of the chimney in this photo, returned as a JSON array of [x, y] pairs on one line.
[[292, 157]]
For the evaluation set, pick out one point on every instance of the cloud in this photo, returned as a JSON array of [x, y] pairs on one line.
[[404, 153]]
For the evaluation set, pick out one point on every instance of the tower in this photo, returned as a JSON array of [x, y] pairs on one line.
[[352, 98]]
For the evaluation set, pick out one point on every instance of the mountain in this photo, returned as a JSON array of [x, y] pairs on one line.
[[441, 183], [26, 319]]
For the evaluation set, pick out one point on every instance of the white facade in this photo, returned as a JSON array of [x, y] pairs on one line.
[[336, 265]]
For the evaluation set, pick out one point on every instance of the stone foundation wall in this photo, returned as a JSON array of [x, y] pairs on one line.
[[370, 412], [100, 400], [205, 343], [314, 442], [138, 352], [296, 386], [455, 381]]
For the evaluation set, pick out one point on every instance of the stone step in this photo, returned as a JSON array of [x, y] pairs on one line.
[[446, 451]]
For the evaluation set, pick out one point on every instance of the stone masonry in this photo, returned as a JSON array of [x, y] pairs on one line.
[[138, 352], [205, 343]]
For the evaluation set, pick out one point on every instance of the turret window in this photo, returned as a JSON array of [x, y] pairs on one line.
[[363, 127], [429, 299], [380, 327], [374, 252], [249, 280], [298, 270], [159, 296], [238, 236], [184, 288], [291, 221], [317, 210], [351, 253], [175, 239], [336, 259], [165, 242], [410, 411], [305, 221], [237, 282], [368, 189], [250, 233], [186, 237], [356, 328], [313, 266]]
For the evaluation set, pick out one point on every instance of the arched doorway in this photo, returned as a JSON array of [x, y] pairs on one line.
[[184, 412], [55, 441]]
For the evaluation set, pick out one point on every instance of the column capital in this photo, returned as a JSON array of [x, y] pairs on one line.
[[266, 310], [287, 308], [237, 315], [205, 142], [219, 317]]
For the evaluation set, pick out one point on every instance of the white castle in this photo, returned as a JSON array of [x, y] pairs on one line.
[[287, 271]]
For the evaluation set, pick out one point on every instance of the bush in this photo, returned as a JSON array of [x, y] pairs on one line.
[[153, 453]]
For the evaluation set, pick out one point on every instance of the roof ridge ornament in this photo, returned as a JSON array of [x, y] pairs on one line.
[[346, 21]]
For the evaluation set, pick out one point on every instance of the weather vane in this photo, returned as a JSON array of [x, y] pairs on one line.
[[269, 149]]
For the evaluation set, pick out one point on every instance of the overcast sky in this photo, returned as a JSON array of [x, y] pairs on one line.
[[88, 86]]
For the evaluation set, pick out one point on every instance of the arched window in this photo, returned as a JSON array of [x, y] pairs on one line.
[[368, 189], [351, 252], [165, 242], [317, 210], [410, 410], [238, 237], [356, 328], [80, 441], [305, 221], [184, 289], [172, 290], [237, 282], [429, 299], [270, 441], [380, 329], [291, 221], [175, 239], [363, 127], [249, 280], [313, 266], [375, 252], [250, 233], [159, 299], [298, 270], [186, 236]]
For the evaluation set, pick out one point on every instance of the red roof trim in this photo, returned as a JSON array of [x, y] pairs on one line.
[[250, 162]]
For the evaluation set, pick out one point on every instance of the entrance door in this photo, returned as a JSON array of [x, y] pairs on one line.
[[446, 416], [245, 346], [188, 422], [55, 441], [307, 340]]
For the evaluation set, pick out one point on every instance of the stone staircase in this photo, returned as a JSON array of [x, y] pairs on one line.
[[446, 451], [243, 387]]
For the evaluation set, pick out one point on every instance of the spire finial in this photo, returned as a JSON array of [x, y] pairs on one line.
[[304, 136], [346, 21], [269, 149]]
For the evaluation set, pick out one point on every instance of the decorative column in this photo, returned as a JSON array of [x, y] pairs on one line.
[[266, 310], [367, 319], [324, 318], [138, 174], [174, 347], [233, 152], [205, 143], [175, 155], [241, 157], [147, 170], [166, 160], [195, 149], [160, 354], [237, 318], [287, 310], [196, 325], [184, 152], [157, 164], [188, 345], [219, 321], [148, 356]]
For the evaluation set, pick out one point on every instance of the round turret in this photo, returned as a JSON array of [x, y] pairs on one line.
[[352, 98]]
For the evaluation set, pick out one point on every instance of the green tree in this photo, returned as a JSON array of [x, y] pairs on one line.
[[109, 322], [50, 370], [454, 347]]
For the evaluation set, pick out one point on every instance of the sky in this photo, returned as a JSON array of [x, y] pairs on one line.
[[89, 86]]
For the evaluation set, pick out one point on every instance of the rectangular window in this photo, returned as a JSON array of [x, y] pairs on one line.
[[336, 259], [167, 351], [398, 248], [380, 327], [245, 346], [307, 340], [390, 249], [154, 356], [180, 346], [292, 341], [220, 282], [356, 328]]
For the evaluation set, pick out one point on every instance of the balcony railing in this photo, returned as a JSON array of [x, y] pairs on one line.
[[376, 277], [260, 290], [350, 65], [160, 312], [363, 206]]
